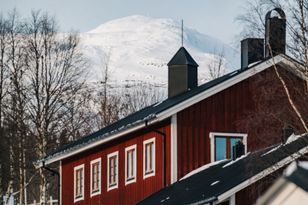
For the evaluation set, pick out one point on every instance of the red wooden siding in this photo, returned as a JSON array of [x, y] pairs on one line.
[[124, 194], [256, 106]]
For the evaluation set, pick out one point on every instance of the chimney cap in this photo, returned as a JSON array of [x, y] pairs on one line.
[[182, 57], [278, 10]]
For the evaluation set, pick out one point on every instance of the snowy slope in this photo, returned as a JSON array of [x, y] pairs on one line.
[[138, 48]]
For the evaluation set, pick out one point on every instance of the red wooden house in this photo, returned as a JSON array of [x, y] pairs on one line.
[[129, 160]]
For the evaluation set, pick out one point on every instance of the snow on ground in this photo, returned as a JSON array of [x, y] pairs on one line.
[[138, 48], [203, 168]]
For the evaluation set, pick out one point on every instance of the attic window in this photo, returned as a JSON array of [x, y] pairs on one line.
[[222, 144]]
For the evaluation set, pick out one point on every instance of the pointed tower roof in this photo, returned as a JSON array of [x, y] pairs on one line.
[[182, 57]]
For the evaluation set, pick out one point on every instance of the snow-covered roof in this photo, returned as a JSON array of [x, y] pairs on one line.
[[160, 111], [219, 181]]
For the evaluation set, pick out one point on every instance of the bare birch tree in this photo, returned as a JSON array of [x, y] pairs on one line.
[[3, 76], [216, 66], [41, 99], [17, 101], [253, 21], [54, 66]]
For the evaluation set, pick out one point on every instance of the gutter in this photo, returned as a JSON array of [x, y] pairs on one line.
[[163, 134], [53, 173]]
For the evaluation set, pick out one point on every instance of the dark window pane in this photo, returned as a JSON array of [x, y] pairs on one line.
[[233, 142], [220, 148]]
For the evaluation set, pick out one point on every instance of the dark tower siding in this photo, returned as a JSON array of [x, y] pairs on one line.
[[182, 73], [181, 79]]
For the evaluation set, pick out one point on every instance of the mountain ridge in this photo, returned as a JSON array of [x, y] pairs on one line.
[[138, 48]]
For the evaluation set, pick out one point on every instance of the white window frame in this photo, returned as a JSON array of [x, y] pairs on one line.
[[83, 173], [116, 185], [225, 134], [97, 192], [146, 175], [132, 179]]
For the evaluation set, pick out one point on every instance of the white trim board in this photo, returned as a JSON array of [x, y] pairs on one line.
[[174, 150], [279, 59], [262, 174], [60, 186]]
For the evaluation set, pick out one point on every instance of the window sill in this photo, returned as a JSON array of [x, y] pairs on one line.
[[95, 193], [112, 186], [79, 198], [130, 180], [149, 174]]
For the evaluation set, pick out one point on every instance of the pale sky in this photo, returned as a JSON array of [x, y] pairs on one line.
[[212, 17]]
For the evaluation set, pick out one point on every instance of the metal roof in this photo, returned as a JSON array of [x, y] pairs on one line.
[[208, 185]]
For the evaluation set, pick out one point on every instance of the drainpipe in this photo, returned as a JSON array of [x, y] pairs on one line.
[[53, 173], [163, 134]]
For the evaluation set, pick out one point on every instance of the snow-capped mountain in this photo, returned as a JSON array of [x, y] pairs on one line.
[[138, 48]]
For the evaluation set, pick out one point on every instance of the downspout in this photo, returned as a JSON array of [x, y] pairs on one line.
[[163, 134], [54, 172]]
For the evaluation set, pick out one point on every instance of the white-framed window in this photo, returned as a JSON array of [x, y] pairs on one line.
[[149, 158], [95, 179], [222, 144], [130, 164], [79, 183], [112, 170]]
